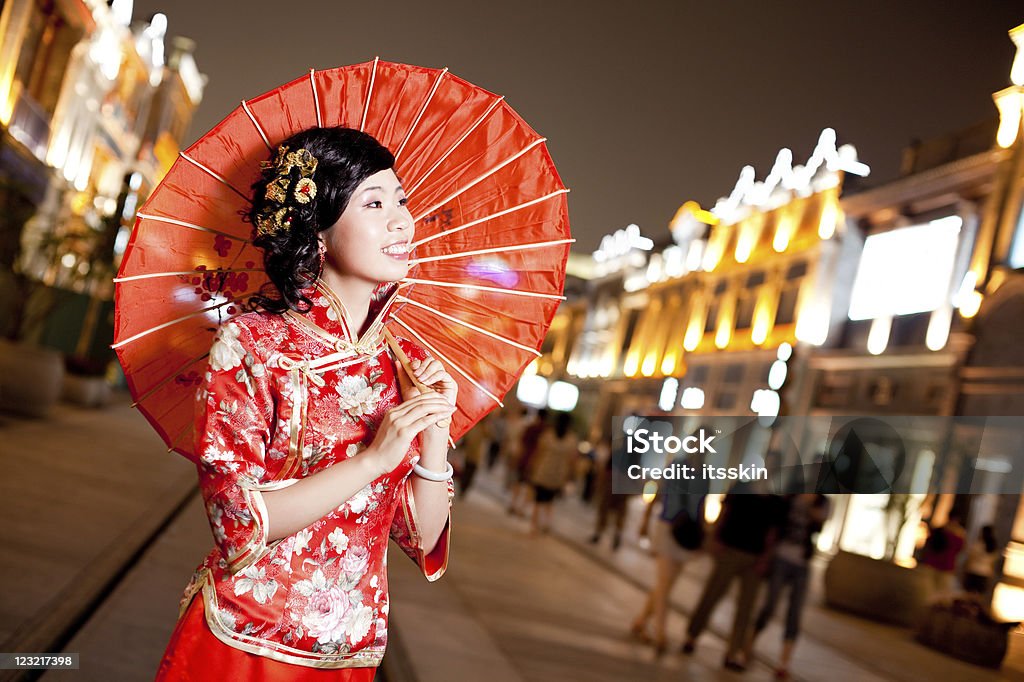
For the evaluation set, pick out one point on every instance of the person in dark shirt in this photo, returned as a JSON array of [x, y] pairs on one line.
[[529, 440], [804, 516], [744, 535]]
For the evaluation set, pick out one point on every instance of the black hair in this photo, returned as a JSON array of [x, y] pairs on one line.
[[563, 420], [291, 258]]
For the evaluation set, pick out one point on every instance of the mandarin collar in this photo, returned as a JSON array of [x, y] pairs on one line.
[[329, 313]]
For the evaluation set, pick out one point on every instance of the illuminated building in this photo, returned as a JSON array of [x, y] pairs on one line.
[[790, 297], [95, 108]]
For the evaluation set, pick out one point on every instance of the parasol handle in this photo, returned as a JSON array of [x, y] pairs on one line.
[[407, 365]]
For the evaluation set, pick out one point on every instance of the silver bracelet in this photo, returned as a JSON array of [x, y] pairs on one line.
[[433, 475]]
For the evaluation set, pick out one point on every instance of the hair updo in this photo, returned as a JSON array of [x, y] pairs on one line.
[[344, 158]]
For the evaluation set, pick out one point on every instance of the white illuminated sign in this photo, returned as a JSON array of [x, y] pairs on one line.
[[562, 396], [906, 270], [532, 390]]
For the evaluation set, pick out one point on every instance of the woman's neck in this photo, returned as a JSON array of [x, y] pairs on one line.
[[354, 294]]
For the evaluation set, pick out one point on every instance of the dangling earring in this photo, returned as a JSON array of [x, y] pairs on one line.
[[322, 250]]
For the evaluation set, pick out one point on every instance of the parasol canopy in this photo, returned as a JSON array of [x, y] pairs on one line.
[[485, 275]]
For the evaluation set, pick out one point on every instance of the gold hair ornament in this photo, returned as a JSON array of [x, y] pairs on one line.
[[287, 189]]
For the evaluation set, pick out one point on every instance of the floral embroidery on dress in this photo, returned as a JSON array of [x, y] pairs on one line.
[[357, 397], [317, 597]]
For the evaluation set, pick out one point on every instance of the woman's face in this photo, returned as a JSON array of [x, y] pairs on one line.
[[370, 241]]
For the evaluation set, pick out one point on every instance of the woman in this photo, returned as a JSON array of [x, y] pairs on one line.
[[553, 466], [677, 535], [805, 514], [306, 432]]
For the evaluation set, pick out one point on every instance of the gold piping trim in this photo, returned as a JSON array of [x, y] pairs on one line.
[[412, 519], [365, 658]]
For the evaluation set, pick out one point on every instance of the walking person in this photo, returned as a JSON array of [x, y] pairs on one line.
[[741, 547], [522, 487], [303, 469], [804, 514], [980, 566], [472, 447], [609, 504], [940, 553], [555, 461], [512, 445], [677, 535]]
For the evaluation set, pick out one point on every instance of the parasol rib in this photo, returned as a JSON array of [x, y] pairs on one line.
[[170, 376], [473, 223], [480, 178], [256, 124], [202, 273], [483, 117], [369, 94], [174, 322], [316, 99], [467, 325], [177, 439], [477, 287], [213, 174], [191, 226], [480, 252], [423, 109], [440, 356]]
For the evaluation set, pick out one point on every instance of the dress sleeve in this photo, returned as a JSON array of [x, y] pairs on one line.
[[234, 417], [405, 528], [405, 531]]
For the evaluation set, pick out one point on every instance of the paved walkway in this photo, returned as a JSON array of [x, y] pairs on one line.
[[103, 528], [834, 646]]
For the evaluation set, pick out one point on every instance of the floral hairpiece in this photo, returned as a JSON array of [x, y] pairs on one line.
[[287, 189]]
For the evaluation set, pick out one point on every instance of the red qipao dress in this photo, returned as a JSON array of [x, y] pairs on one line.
[[286, 396]]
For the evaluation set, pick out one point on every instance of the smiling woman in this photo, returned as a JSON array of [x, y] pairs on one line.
[[307, 428]]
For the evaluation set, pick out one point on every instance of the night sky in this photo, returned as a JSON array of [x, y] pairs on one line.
[[645, 104]]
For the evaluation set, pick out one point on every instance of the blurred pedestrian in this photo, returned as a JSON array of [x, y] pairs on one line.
[[744, 535], [677, 535], [472, 447], [938, 558], [521, 489], [555, 460], [512, 445], [980, 566], [805, 514], [495, 436], [608, 503]]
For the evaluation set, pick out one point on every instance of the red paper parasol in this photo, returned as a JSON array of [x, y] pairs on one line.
[[492, 235]]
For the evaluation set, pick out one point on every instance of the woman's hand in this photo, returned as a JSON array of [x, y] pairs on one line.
[[431, 374], [403, 423]]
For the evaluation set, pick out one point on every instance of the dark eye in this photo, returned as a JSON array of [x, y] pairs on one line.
[[403, 201], [375, 204]]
